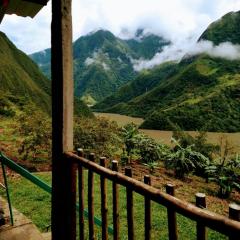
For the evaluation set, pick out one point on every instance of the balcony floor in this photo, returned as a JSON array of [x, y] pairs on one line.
[[23, 228]]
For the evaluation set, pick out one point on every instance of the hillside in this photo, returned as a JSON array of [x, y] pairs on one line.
[[144, 82], [103, 62], [202, 94], [225, 29], [23, 83], [21, 79]]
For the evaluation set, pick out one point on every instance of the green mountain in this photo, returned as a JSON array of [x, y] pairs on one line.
[[21, 79], [202, 93], [144, 82], [225, 29], [103, 62], [22, 82]]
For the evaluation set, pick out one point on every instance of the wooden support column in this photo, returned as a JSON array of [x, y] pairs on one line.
[[63, 172]]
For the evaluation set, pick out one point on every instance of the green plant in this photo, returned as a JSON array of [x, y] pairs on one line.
[[184, 160], [35, 130], [150, 150], [151, 166], [226, 174], [98, 135], [130, 135]]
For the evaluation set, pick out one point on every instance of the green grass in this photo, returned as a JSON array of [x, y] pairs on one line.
[[35, 204]]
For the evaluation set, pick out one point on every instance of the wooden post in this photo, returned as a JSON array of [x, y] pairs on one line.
[[63, 172], [234, 214], [104, 208], [128, 172], [172, 219], [201, 229], [148, 219], [90, 200], [115, 204], [81, 196]]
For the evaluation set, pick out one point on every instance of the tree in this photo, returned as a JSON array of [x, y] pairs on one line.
[[35, 129]]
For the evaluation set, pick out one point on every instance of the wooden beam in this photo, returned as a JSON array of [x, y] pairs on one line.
[[63, 172]]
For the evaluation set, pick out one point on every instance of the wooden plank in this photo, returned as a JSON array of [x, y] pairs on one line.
[[212, 220], [201, 229], [172, 219], [128, 172], [63, 171], [115, 193], [90, 200], [148, 217], [81, 196], [104, 208]]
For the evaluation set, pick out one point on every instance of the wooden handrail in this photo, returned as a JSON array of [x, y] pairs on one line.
[[211, 220]]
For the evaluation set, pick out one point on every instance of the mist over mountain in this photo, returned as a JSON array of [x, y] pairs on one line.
[[104, 62], [201, 94]]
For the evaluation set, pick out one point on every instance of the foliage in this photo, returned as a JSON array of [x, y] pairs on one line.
[[199, 142], [130, 134], [97, 135], [184, 160], [150, 151], [226, 173], [151, 166], [35, 130]]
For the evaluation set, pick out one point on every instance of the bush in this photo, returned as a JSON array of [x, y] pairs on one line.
[[226, 174], [150, 151], [97, 135], [36, 131], [184, 160]]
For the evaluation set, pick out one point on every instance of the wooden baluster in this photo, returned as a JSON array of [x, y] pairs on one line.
[[115, 193], [81, 196], [172, 219], [128, 172], [234, 214], [201, 229], [104, 208], [90, 200], [148, 217]]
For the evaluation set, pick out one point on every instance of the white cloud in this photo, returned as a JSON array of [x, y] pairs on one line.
[[175, 19], [176, 51]]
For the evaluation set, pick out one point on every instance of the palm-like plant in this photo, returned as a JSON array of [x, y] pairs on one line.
[[184, 160], [226, 174]]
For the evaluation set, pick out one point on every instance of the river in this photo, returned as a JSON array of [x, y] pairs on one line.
[[165, 136]]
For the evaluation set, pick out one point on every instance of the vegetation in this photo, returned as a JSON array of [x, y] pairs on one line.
[[35, 129], [184, 160], [98, 135]]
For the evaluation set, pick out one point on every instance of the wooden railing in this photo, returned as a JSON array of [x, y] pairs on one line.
[[204, 218]]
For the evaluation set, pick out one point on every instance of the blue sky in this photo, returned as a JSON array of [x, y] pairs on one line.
[[177, 20]]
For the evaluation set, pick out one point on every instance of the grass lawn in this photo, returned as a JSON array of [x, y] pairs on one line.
[[35, 204]]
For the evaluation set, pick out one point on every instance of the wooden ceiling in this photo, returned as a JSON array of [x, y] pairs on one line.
[[22, 8]]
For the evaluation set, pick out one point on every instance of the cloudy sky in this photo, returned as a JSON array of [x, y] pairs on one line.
[[177, 20]]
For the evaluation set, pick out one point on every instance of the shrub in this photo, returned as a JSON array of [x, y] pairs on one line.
[[149, 150], [97, 135], [184, 160], [130, 135], [35, 129], [226, 173]]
